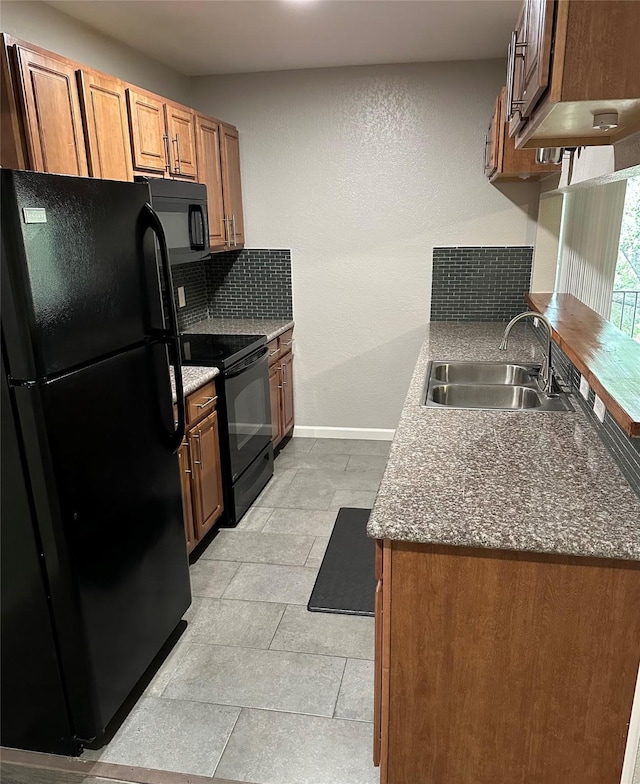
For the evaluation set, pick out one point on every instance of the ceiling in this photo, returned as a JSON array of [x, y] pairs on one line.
[[198, 37]]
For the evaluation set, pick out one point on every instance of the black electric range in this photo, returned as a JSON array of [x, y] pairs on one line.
[[222, 351], [244, 412]]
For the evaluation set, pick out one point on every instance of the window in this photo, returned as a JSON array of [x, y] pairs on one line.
[[625, 308]]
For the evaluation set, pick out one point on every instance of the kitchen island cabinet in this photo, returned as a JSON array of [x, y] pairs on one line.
[[507, 641]]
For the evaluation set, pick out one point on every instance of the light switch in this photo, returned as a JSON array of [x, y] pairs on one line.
[[599, 408], [584, 387], [182, 301]]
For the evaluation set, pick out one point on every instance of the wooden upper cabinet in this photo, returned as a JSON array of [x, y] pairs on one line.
[[580, 59], [104, 111], [149, 140], [209, 173], [53, 125], [515, 75], [491, 143], [537, 52], [181, 132], [231, 187]]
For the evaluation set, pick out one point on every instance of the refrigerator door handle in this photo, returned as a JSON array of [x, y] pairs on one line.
[[153, 222]]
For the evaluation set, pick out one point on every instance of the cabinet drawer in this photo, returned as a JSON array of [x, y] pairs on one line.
[[274, 351], [285, 341], [201, 402]]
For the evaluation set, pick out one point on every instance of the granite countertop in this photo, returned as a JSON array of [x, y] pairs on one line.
[[529, 481], [243, 326], [192, 378]]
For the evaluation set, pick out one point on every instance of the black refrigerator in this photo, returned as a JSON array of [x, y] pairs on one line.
[[94, 565]]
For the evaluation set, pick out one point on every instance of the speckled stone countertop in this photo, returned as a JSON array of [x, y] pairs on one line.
[[192, 378], [529, 481], [242, 326]]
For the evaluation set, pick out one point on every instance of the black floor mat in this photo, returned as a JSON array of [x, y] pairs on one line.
[[346, 581]]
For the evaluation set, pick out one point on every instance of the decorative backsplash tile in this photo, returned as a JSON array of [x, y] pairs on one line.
[[479, 283], [192, 276], [242, 284], [624, 449], [250, 283]]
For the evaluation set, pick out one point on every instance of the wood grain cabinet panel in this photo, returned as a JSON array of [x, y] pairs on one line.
[[231, 185], [104, 111], [275, 393], [149, 139], [204, 441], [505, 666], [537, 52], [182, 141], [287, 392], [281, 386], [210, 173], [53, 124]]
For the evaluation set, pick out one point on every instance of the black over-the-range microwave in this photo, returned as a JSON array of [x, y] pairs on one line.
[[182, 209]]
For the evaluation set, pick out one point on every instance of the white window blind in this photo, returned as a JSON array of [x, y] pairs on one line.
[[589, 238]]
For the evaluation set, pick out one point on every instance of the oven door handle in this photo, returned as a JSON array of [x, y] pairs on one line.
[[249, 362]]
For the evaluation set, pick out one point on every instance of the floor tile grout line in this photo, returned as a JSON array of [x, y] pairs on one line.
[[335, 704], [281, 650], [226, 743], [277, 627]]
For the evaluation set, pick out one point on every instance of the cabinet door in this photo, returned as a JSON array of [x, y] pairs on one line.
[[537, 53], [207, 477], [53, 123], [517, 76], [209, 173], [377, 686], [231, 187], [149, 140], [180, 127], [104, 111], [275, 390], [187, 501], [492, 142], [287, 393]]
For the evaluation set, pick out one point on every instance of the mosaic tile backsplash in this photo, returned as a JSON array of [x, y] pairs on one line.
[[624, 449], [479, 283], [242, 284]]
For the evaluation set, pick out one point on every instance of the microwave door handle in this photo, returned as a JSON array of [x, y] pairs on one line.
[[196, 227], [172, 337]]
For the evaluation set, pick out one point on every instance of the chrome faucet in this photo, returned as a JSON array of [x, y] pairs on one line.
[[546, 372]]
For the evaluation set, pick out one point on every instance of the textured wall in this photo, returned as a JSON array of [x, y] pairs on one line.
[[43, 25], [479, 284], [361, 172]]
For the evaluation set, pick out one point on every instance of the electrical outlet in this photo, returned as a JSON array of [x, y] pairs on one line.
[[599, 408], [584, 387], [182, 301], [536, 322]]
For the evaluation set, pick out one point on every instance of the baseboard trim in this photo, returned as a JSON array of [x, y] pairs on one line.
[[364, 433]]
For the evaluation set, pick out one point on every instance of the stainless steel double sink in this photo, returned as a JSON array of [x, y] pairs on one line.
[[490, 386]]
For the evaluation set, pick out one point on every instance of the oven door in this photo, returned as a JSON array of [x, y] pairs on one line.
[[248, 410], [185, 225]]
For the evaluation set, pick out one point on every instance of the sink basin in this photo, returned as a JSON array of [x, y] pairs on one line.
[[493, 386], [482, 373], [486, 396]]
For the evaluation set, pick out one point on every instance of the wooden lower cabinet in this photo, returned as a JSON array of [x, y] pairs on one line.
[[281, 386], [495, 667], [206, 475], [200, 468]]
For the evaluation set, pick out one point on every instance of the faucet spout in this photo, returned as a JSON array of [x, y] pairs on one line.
[[546, 372]]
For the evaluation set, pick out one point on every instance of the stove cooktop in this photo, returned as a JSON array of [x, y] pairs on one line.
[[218, 350]]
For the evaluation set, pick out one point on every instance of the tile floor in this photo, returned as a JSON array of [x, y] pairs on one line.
[[258, 689]]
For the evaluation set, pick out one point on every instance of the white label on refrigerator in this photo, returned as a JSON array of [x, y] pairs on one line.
[[34, 214]]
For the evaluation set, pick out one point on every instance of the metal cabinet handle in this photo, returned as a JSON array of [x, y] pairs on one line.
[[513, 55], [288, 342], [273, 353], [167, 152], [227, 231], [197, 437], [235, 238], [178, 167], [207, 402], [179, 153], [284, 374]]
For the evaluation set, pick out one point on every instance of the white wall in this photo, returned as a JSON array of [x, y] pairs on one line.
[[545, 260], [45, 26], [361, 172]]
